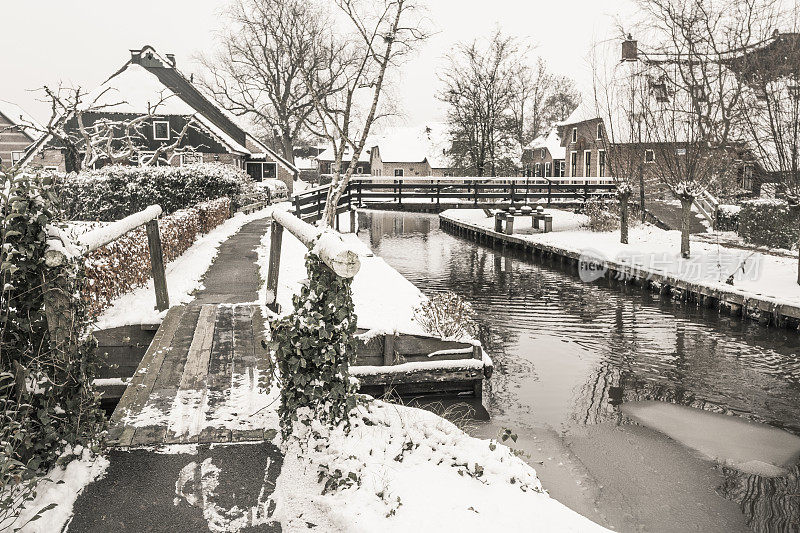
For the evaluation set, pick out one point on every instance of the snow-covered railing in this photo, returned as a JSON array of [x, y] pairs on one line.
[[61, 247], [327, 244], [707, 204]]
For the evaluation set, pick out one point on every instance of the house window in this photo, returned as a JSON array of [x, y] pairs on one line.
[[538, 170], [259, 170], [359, 169], [599, 131], [561, 171], [574, 135], [573, 163], [601, 163], [191, 158], [160, 130], [51, 169], [649, 156], [541, 153], [587, 163], [398, 173], [16, 157], [548, 169]]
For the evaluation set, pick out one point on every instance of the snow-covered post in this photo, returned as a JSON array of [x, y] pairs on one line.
[[314, 344]]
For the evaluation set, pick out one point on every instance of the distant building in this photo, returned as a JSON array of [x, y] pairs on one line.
[[544, 156], [18, 131], [326, 162], [411, 152], [149, 78]]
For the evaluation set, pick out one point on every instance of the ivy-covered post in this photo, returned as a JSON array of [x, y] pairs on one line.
[[314, 344]]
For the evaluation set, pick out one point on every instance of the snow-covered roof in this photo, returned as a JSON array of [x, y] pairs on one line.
[[583, 112], [551, 141], [20, 118], [415, 144], [330, 155]]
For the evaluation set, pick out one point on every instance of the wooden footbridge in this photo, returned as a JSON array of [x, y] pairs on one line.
[[206, 378], [448, 193]]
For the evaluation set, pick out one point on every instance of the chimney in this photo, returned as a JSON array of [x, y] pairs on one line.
[[171, 59]]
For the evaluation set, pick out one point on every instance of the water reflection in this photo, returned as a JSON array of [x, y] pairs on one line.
[[568, 353]]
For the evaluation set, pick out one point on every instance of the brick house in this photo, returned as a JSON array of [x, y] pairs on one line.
[[544, 156], [17, 134], [404, 152], [149, 79], [326, 159]]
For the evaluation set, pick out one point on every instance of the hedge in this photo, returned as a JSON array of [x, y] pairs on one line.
[[124, 264], [727, 217], [768, 222], [116, 191]]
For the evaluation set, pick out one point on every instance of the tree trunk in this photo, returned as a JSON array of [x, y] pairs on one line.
[[686, 217], [288, 147], [623, 218], [641, 194]]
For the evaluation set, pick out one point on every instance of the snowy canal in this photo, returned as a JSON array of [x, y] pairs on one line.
[[568, 354]]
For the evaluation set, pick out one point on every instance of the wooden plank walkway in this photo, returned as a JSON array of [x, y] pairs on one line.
[[204, 379]]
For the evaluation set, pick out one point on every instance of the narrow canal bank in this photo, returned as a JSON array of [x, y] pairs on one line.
[[568, 353]]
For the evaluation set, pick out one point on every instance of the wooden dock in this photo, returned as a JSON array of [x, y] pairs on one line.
[[204, 379]]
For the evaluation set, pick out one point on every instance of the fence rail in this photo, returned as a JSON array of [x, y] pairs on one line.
[[473, 192]]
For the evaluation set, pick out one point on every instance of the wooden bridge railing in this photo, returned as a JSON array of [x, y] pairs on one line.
[[330, 247], [309, 205]]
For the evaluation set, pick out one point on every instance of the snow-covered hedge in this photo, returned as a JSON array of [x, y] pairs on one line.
[[114, 192], [728, 217], [124, 264], [769, 222]]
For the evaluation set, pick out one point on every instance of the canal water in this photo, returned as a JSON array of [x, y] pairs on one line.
[[568, 353]]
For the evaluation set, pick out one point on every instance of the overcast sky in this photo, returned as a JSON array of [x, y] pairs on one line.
[[83, 42]]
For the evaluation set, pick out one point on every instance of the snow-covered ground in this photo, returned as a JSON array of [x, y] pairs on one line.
[[60, 489], [411, 470], [651, 249]]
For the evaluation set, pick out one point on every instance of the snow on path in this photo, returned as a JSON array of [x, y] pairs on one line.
[[62, 487], [184, 276], [656, 250]]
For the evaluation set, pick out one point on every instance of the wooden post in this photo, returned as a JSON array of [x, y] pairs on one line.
[[511, 193], [157, 265], [388, 349], [438, 193], [336, 221], [275, 239], [360, 201], [353, 215], [509, 224], [399, 192], [297, 206], [477, 353], [475, 184], [549, 192], [585, 191]]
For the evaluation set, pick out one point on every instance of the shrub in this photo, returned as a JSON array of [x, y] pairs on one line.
[[447, 315], [124, 264], [46, 401], [769, 222], [602, 216], [727, 217], [114, 192]]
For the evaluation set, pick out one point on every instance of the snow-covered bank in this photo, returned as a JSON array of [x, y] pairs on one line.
[[383, 298], [405, 469], [653, 250], [60, 489], [183, 277]]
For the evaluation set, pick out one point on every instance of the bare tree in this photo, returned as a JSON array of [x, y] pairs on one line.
[[770, 106], [560, 102], [346, 86], [481, 91], [620, 95], [257, 74], [694, 97], [89, 137]]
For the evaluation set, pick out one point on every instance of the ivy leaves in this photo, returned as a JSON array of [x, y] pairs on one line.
[[313, 346]]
